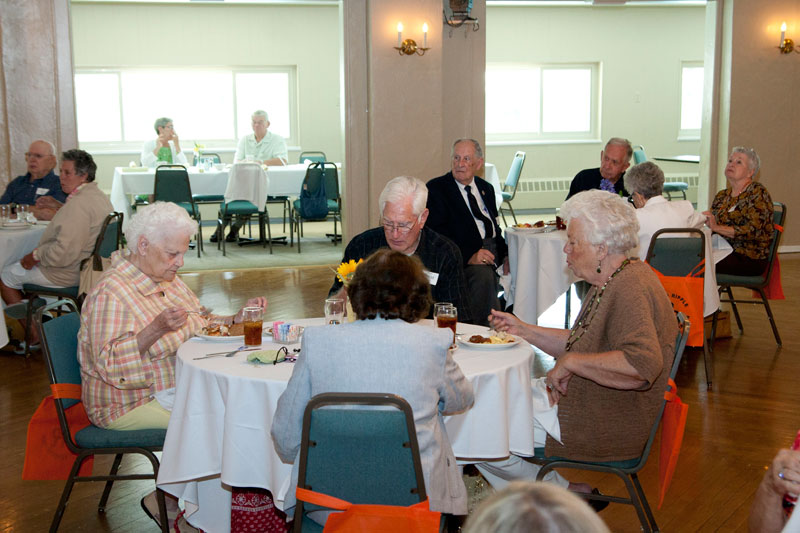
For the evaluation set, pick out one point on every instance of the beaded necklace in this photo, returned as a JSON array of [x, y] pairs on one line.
[[586, 317]]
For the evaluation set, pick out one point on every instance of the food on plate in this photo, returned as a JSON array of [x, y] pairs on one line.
[[497, 337], [539, 224], [526, 225], [221, 330]]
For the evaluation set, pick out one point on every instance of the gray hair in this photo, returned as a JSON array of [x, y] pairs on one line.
[[475, 144], [260, 113], [82, 161], [151, 220], [161, 123], [403, 188], [619, 141], [50, 145], [609, 219], [754, 162], [645, 178], [525, 506]]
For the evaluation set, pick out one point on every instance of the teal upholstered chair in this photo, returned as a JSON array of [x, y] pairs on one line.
[[60, 344], [355, 452], [510, 186], [172, 185], [756, 283], [205, 199], [639, 155], [245, 196], [318, 174], [625, 470]]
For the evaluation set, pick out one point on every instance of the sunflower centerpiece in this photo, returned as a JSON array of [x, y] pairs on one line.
[[345, 273]]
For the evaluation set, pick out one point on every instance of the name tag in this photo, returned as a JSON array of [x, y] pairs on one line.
[[41, 192], [433, 277]]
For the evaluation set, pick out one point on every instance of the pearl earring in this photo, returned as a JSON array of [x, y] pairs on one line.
[[598, 266]]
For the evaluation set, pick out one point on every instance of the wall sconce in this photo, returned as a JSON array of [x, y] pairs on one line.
[[409, 46], [785, 45]]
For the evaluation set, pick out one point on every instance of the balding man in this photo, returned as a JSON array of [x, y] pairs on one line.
[[40, 187], [615, 159]]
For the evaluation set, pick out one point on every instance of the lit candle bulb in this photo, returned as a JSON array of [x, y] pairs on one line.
[[783, 34], [399, 34], [425, 35]]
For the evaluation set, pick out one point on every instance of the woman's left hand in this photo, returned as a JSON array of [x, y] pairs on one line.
[[711, 221], [558, 380], [258, 301]]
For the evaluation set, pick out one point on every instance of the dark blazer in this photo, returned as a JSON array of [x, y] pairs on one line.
[[450, 216]]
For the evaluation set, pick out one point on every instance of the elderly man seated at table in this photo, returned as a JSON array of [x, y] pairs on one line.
[[614, 160], [654, 212], [165, 149], [68, 239], [385, 350], [133, 322], [403, 216], [40, 186], [463, 209], [612, 367]]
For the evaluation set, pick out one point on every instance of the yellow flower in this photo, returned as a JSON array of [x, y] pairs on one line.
[[346, 271]]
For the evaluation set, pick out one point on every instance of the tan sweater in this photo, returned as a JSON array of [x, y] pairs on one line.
[[603, 424], [70, 236]]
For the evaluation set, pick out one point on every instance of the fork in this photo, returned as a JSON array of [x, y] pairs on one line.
[[226, 354]]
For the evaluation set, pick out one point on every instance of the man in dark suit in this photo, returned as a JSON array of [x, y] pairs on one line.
[[463, 209], [615, 159]]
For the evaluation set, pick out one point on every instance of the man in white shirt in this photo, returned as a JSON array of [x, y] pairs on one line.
[[262, 145], [164, 149], [645, 182]]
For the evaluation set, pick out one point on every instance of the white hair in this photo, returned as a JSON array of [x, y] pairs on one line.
[[260, 113], [151, 222], [645, 178], [754, 162], [526, 506], [401, 189], [609, 219]]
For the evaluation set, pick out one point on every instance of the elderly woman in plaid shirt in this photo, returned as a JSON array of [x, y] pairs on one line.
[[135, 319]]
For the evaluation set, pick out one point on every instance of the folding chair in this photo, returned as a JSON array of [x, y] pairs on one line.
[[756, 283], [172, 185], [313, 156], [625, 470], [510, 186], [678, 256], [355, 452], [207, 199], [245, 196], [317, 174], [60, 345], [639, 155]]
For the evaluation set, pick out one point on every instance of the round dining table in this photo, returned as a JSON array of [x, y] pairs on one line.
[[219, 431], [14, 245]]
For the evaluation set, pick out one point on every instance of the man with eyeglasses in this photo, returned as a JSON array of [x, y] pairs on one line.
[[40, 187], [403, 217], [463, 209], [615, 158]]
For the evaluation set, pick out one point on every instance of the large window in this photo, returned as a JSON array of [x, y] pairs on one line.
[[117, 107], [691, 100], [541, 102]]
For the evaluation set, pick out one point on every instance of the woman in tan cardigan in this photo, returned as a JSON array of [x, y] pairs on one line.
[[70, 236], [612, 367]]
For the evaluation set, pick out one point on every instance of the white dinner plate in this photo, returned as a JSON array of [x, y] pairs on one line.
[[15, 226], [220, 338], [464, 339], [546, 229]]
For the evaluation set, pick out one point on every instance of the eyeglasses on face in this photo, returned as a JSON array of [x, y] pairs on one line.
[[400, 228], [31, 155]]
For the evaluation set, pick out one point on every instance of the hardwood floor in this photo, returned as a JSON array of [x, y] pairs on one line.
[[731, 435]]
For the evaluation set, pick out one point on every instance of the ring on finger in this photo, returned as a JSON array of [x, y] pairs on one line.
[[550, 388], [780, 475]]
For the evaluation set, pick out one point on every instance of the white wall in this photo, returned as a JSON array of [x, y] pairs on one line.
[[192, 35], [640, 50]]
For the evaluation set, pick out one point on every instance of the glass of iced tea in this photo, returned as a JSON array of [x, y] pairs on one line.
[[445, 315], [334, 311], [252, 319]]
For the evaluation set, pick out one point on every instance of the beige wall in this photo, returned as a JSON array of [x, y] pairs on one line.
[[35, 81], [764, 107], [199, 35], [640, 50]]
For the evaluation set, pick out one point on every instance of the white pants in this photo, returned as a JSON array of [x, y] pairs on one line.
[[15, 276]]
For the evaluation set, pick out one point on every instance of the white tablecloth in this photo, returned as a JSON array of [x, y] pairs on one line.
[[539, 273], [14, 245], [219, 432], [283, 181]]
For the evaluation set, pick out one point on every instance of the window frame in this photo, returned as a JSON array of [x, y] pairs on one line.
[[132, 146], [595, 69]]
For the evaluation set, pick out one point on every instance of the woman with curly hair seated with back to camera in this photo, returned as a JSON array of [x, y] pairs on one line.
[[385, 350]]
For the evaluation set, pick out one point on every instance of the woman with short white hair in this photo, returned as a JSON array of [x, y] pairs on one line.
[[611, 368]]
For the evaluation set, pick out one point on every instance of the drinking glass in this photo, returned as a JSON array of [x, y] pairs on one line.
[[445, 315], [253, 322], [5, 212], [22, 212], [334, 311]]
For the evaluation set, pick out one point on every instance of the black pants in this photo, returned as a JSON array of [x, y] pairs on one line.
[[738, 264]]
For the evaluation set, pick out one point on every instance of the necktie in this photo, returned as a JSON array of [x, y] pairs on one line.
[[476, 212]]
